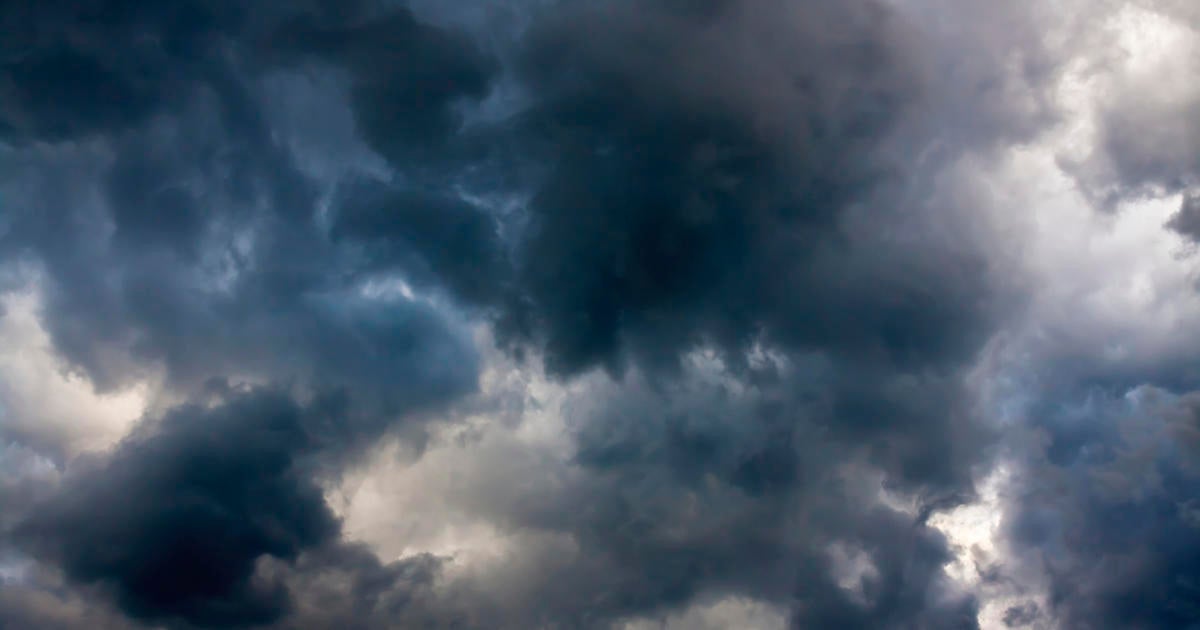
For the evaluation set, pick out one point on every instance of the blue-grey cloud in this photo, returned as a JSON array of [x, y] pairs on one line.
[[1107, 511], [614, 191], [175, 520]]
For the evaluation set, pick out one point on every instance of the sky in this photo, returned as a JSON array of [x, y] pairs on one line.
[[600, 314]]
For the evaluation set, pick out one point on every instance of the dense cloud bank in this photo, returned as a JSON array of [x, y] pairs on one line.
[[688, 313]]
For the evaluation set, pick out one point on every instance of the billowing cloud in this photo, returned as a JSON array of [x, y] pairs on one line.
[[597, 314], [176, 520], [1106, 511], [1146, 122]]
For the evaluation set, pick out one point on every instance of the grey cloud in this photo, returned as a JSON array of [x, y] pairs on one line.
[[26, 478], [1154, 146], [1105, 513], [203, 253], [715, 177], [212, 516], [406, 77], [168, 229], [673, 182], [436, 239], [175, 521], [758, 180], [48, 605], [1149, 138], [714, 486], [1021, 615], [702, 491], [348, 587], [76, 69], [1187, 221]]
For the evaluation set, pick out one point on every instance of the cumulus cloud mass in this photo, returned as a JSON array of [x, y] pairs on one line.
[[599, 314]]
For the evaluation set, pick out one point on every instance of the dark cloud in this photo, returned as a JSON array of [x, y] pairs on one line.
[[204, 294], [169, 229], [175, 521], [715, 177], [347, 586], [406, 77], [686, 155], [204, 254], [212, 516], [78, 69], [436, 239], [716, 486], [1187, 221], [699, 491], [25, 477], [1021, 615], [683, 201], [1107, 512], [722, 226]]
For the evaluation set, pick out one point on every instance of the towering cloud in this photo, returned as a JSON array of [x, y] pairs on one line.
[[598, 313]]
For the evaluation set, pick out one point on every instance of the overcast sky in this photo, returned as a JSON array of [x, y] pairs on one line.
[[599, 314]]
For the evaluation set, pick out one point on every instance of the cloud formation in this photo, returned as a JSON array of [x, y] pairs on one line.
[[1106, 511], [175, 521], [598, 314]]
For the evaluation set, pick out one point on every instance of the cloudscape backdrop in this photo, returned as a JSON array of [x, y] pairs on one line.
[[557, 314]]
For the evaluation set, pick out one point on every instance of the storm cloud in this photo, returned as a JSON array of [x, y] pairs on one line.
[[598, 314], [1108, 510], [175, 521]]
